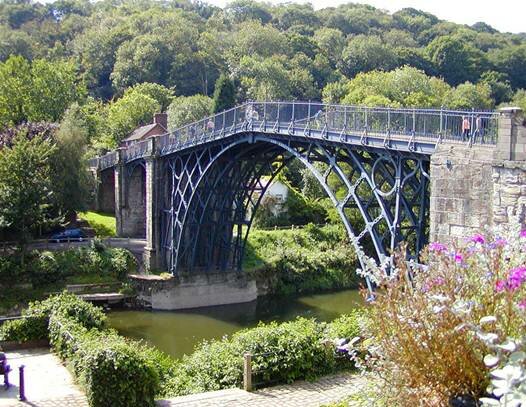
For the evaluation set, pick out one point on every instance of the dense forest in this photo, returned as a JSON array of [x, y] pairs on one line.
[[116, 62]]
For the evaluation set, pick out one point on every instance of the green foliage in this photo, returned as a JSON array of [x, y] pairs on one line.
[[34, 325], [24, 330], [224, 94], [44, 268], [302, 260], [467, 95], [71, 180], [36, 91], [25, 186], [282, 352], [132, 110], [456, 60], [405, 86], [187, 109], [367, 53]]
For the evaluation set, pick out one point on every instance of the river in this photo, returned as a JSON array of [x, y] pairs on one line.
[[177, 332]]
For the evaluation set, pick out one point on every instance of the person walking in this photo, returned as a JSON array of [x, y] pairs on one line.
[[466, 127]]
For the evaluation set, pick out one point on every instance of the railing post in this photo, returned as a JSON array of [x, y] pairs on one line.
[[277, 119], [388, 118], [247, 371], [265, 116], [293, 117], [414, 121], [21, 384], [441, 120], [223, 126], [234, 124]]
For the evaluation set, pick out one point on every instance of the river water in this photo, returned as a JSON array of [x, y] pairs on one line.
[[177, 332]]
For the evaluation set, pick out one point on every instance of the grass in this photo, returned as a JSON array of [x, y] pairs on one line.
[[102, 223]]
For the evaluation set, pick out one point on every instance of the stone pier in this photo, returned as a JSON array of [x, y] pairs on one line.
[[478, 186], [194, 291]]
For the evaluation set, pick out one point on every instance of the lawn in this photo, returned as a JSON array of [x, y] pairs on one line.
[[102, 223]]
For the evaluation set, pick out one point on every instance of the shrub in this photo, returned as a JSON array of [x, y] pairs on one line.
[[113, 371], [429, 343], [302, 260], [281, 353], [23, 330], [34, 326]]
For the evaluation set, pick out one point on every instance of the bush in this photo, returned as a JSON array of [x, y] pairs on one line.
[[44, 268], [302, 260], [281, 353], [34, 326], [23, 330], [432, 332], [113, 371]]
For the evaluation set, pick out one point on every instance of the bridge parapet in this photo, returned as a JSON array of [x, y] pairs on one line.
[[397, 128]]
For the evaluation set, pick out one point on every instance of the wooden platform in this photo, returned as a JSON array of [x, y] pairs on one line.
[[110, 298]]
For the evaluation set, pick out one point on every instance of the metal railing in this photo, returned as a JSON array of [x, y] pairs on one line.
[[313, 119]]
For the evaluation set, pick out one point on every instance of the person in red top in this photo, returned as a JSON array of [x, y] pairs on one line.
[[466, 127]]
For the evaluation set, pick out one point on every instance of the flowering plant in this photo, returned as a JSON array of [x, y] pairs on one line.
[[424, 322]]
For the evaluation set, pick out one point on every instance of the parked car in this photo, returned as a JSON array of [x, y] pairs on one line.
[[68, 235]]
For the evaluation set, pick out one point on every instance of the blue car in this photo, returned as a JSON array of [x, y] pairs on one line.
[[68, 235]]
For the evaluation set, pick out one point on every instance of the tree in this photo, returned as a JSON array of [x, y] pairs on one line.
[[188, 109], [468, 95], [124, 115], [455, 60], [512, 61], [37, 91], [15, 87], [224, 94], [160, 93], [519, 99], [367, 53], [243, 10], [406, 86], [499, 85], [25, 186], [70, 177]]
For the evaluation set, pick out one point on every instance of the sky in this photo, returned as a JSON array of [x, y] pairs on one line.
[[504, 15]]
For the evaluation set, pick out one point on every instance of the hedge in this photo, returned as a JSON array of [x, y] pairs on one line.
[[282, 353], [114, 371]]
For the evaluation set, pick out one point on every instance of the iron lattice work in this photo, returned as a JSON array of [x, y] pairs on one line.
[[210, 195]]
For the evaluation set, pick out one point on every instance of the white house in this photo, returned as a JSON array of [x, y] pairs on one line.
[[276, 195]]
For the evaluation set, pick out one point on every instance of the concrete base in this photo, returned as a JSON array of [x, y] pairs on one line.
[[194, 291]]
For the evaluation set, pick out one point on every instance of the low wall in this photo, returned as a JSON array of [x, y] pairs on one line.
[[193, 291]]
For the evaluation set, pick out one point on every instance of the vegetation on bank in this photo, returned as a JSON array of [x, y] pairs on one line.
[[45, 272], [301, 260], [118, 371]]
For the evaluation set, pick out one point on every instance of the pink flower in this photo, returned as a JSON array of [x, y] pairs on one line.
[[437, 247], [500, 286], [438, 281], [522, 304], [500, 241], [459, 258], [523, 233], [478, 238]]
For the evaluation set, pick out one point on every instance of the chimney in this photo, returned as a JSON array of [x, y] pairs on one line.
[[162, 119]]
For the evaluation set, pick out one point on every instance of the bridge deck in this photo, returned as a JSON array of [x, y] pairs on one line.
[[411, 130]]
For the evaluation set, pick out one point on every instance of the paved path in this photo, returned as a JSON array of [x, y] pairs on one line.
[[299, 394], [50, 384]]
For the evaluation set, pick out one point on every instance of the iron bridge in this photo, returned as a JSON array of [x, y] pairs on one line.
[[213, 174]]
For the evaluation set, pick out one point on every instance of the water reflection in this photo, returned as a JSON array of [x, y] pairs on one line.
[[177, 332]]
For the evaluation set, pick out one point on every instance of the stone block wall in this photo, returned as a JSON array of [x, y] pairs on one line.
[[133, 212], [479, 186], [461, 191]]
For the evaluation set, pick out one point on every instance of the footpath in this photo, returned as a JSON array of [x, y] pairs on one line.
[[49, 384]]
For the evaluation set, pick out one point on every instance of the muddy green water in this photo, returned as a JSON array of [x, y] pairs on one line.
[[177, 332]]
